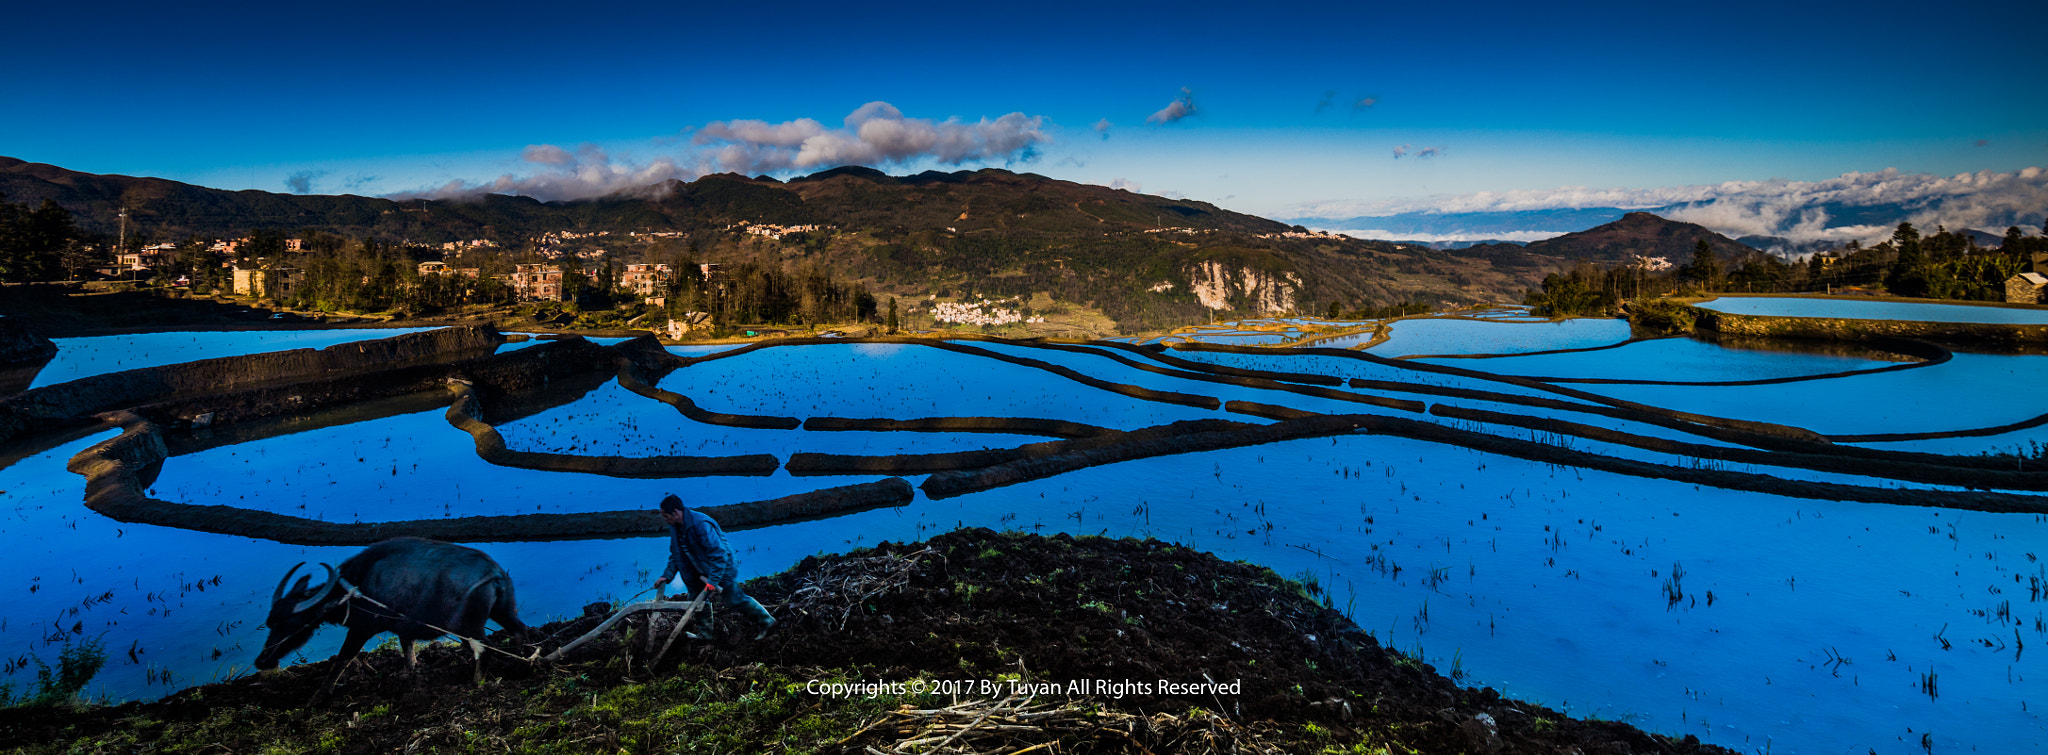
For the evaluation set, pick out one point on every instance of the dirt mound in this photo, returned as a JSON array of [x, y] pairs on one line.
[[19, 345], [1098, 645]]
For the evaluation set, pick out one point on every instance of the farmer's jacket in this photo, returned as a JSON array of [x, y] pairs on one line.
[[697, 550]]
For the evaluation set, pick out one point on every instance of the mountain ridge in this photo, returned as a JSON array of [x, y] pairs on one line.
[[1635, 234], [1145, 261]]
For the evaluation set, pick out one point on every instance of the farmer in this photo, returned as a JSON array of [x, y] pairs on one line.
[[698, 552]]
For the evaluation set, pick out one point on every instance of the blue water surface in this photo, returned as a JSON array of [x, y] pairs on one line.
[[98, 355], [1799, 626]]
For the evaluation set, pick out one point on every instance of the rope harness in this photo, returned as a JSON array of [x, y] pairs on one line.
[[350, 593]]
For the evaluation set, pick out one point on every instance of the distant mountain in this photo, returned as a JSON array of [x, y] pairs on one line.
[[1471, 226], [1984, 239], [1635, 234], [1143, 260], [1870, 222], [1454, 244], [1783, 247]]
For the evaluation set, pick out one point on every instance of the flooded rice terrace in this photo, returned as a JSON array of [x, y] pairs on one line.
[[1662, 571]]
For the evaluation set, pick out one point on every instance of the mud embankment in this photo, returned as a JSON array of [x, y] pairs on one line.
[[949, 484], [1126, 444], [1843, 329], [23, 353], [119, 471], [1125, 389], [466, 414], [297, 372], [241, 398], [20, 346], [1722, 428]]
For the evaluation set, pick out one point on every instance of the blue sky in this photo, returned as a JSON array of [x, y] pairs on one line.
[[1294, 108]]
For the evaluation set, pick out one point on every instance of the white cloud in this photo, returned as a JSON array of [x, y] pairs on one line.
[[547, 154], [1127, 185], [1181, 107], [876, 134], [586, 172], [788, 135], [1431, 238]]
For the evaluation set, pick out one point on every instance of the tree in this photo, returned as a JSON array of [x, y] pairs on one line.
[[11, 247], [76, 257], [607, 277], [1584, 290], [33, 243], [1704, 268], [1908, 274], [1336, 309], [1759, 272], [573, 281], [892, 314]]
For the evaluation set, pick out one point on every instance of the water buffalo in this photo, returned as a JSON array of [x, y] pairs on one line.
[[414, 588]]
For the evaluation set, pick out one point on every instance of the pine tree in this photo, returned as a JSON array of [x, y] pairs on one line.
[[1907, 276], [892, 314], [1705, 268]]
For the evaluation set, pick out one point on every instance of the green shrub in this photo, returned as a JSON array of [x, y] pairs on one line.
[[76, 666], [1659, 317]]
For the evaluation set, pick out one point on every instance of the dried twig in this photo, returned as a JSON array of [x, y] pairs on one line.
[[1018, 724], [844, 585]]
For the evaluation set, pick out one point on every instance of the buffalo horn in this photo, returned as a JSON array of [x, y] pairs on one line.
[[279, 594], [327, 590]]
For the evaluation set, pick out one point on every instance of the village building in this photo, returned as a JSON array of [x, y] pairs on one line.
[[259, 282], [146, 258], [537, 282], [645, 279], [773, 231], [2025, 288], [541, 281], [686, 322], [442, 268]]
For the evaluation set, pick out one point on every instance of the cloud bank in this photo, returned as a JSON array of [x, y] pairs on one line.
[[561, 174], [1850, 206], [1441, 238], [875, 135]]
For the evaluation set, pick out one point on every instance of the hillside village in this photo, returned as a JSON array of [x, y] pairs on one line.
[[962, 250]]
